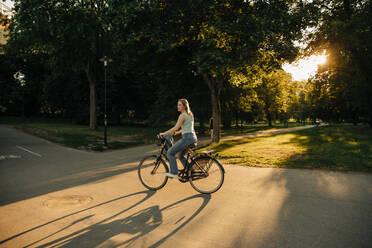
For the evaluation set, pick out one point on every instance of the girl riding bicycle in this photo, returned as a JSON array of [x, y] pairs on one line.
[[184, 125]]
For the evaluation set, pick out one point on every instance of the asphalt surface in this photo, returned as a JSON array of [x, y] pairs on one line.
[[53, 196]]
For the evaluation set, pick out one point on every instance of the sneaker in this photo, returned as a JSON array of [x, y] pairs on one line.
[[171, 175]]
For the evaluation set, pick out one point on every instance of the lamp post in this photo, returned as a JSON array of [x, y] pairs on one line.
[[20, 77], [105, 61]]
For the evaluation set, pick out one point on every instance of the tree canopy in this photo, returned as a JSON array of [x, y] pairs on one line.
[[224, 56], [344, 85]]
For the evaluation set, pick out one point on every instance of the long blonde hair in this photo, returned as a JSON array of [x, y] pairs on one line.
[[186, 104]]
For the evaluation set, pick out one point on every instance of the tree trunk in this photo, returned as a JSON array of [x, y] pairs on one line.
[[268, 116], [89, 70], [347, 8], [202, 128], [216, 110], [215, 87]]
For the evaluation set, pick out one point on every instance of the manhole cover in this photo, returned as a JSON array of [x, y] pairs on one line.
[[68, 200]]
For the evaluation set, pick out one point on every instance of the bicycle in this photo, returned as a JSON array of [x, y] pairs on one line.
[[202, 170]]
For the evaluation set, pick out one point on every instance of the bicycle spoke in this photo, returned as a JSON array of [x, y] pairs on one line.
[[151, 172], [206, 175], [200, 167]]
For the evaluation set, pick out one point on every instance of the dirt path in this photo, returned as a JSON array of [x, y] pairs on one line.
[[258, 134]]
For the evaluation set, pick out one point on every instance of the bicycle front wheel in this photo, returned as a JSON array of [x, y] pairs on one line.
[[151, 172], [206, 175]]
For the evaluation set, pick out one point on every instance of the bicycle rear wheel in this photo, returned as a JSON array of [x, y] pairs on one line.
[[151, 172], [206, 175]]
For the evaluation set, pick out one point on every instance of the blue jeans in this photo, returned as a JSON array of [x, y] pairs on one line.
[[181, 148]]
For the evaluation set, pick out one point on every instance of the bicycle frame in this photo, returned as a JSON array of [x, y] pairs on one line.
[[191, 161], [190, 158], [161, 156], [199, 165]]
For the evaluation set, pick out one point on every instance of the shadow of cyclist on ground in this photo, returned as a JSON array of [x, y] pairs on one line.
[[113, 232], [129, 228]]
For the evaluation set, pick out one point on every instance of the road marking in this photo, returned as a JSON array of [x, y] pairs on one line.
[[24, 149], [2, 157]]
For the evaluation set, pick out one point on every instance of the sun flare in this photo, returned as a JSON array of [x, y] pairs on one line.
[[305, 68]]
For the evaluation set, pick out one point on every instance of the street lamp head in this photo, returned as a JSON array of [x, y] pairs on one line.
[[20, 77], [105, 60]]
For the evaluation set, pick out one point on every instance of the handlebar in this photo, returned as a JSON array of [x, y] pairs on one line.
[[164, 139]]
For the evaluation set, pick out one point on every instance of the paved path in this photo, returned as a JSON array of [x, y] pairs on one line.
[[267, 132], [52, 196]]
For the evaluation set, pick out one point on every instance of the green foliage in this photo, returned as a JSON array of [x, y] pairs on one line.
[[7, 84], [342, 91], [223, 36], [272, 92], [224, 56]]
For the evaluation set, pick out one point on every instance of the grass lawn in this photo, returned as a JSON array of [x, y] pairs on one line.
[[81, 137], [338, 147]]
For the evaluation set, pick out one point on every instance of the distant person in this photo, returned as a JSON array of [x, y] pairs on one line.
[[184, 125], [211, 127]]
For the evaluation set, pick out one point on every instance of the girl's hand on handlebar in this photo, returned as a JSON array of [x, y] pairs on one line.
[[177, 132]]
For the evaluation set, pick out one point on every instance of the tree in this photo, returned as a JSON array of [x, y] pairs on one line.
[[346, 35], [222, 36], [69, 31], [239, 99], [272, 92]]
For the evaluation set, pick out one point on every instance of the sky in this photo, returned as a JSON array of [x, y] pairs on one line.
[[305, 68]]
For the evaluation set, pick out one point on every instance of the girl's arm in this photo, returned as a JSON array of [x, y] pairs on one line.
[[178, 132], [178, 125]]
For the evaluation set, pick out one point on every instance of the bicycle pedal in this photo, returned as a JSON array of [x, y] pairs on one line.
[[183, 179]]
